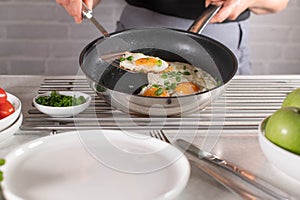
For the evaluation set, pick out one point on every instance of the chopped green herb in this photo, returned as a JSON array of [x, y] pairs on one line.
[[159, 63], [79, 100], [164, 75], [178, 78], [173, 86], [159, 92], [168, 88], [186, 73], [57, 100], [156, 86], [172, 74], [166, 82], [219, 83], [178, 73], [130, 58], [100, 88], [184, 67], [122, 59], [2, 161]]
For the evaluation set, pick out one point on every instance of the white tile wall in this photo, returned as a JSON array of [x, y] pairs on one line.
[[275, 41], [38, 37]]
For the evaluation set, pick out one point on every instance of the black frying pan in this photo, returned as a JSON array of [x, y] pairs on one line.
[[119, 88]]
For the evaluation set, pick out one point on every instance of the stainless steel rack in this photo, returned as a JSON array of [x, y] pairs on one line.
[[244, 103]]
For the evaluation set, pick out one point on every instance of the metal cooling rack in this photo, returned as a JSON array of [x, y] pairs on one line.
[[244, 103]]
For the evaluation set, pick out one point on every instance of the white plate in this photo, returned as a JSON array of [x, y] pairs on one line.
[[285, 161], [8, 132], [95, 164], [63, 111], [9, 120]]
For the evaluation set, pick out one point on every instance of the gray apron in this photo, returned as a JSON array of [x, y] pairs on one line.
[[234, 34]]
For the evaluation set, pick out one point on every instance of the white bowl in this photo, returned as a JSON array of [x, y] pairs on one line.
[[9, 131], [63, 111], [282, 159], [9, 120]]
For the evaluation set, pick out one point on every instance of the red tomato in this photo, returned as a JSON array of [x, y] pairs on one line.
[[6, 109], [3, 96]]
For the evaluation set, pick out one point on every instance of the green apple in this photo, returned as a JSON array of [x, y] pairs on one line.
[[283, 128], [292, 99]]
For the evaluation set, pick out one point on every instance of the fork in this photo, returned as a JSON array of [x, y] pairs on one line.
[[159, 134], [261, 185]]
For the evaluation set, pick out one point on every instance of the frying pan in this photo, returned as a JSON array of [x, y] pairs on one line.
[[119, 88]]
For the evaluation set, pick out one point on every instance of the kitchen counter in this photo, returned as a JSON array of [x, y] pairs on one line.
[[247, 100]]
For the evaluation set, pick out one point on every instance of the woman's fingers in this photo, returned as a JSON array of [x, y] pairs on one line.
[[230, 9], [73, 7], [220, 15], [223, 14], [89, 4]]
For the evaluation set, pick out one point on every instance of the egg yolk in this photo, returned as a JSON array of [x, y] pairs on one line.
[[186, 88], [148, 62], [156, 92]]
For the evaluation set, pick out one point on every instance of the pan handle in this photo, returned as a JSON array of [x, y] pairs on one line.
[[204, 18]]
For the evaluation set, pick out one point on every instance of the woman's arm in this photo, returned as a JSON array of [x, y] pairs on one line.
[[231, 9], [73, 7], [268, 6]]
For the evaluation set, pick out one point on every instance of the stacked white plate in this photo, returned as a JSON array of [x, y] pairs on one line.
[[10, 124], [95, 164]]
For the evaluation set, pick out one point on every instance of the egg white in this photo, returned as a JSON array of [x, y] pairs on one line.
[[181, 72], [130, 64]]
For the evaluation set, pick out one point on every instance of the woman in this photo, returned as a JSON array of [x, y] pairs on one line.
[[229, 26]]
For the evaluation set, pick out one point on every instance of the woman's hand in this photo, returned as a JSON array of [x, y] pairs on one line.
[[231, 9], [74, 7]]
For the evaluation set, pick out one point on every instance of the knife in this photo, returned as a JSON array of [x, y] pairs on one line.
[[250, 178]]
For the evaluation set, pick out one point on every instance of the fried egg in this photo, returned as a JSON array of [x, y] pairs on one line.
[[155, 91], [177, 80], [139, 62]]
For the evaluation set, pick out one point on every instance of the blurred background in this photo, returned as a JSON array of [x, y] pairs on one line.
[[38, 37]]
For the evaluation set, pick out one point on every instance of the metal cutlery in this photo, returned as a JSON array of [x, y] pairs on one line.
[[87, 13], [195, 154], [111, 58]]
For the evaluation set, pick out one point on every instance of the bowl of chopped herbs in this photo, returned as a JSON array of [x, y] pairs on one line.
[[62, 103]]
